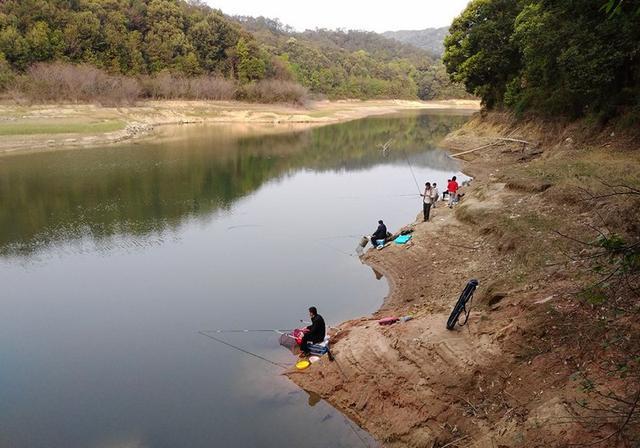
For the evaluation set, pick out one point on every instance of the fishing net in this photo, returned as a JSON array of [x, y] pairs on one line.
[[291, 340]]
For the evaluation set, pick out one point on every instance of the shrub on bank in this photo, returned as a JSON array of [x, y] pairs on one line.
[[6, 75], [169, 86], [273, 91], [61, 82], [57, 82]]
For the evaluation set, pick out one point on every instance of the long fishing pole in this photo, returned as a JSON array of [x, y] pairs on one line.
[[240, 349], [319, 243], [412, 173], [252, 330]]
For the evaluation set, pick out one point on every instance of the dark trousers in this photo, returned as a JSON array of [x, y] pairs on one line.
[[306, 340], [375, 238], [304, 345], [426, 209]]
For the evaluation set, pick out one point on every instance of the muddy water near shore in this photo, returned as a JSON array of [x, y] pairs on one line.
[[112, 259]]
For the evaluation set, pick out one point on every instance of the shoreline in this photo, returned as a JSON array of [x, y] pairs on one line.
[[39, 128], [502, 379], [393, 304]]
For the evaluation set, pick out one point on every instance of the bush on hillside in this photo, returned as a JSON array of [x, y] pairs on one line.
[[169, 86], [273, 91], [6, 74], [59, 82]]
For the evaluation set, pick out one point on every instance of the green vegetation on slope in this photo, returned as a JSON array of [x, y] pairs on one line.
[[145, 39], [128, 37], [556, 57], [355, 64]]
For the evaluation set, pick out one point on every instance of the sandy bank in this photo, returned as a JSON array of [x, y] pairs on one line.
[[513, 375], [47, 127]]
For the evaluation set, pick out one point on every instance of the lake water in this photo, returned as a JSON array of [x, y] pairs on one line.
[[113, 259]]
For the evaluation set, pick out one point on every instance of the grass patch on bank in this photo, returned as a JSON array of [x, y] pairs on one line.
[[584, 169], [38, 128]]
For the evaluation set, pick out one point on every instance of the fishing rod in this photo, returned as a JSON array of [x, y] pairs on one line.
[[412, 173], [319, 243], [386, 147], [337, 237], [243, 226], [240, 349], [252, 330]]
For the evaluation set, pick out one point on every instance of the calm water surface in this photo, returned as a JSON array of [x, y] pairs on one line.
[[112, 260]]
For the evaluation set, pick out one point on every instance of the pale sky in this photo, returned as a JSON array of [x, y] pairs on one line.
[[370, 15]]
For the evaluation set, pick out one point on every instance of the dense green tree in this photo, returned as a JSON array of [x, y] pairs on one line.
[[14, 47], [251, 67], [39, 42], [6, 74], [211, 38], [82, 36], [574, 58], [479, 51], [570, 57]]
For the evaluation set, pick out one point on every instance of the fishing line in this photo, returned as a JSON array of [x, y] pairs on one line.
[[337, 237], [273, 330], [243, 226], [316, 241], [379, 196], [412, 173], [347, 421], [335, 248], [240, 349]]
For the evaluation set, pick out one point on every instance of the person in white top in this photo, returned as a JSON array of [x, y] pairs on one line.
[[435, 195], [426, 201]]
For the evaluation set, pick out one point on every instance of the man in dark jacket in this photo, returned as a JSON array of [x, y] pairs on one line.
[[379, 234], [316, 331]]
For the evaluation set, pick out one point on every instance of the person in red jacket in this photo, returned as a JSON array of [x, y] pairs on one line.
[[452, 189]]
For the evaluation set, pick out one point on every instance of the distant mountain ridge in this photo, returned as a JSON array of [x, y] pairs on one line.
[[429, 39]]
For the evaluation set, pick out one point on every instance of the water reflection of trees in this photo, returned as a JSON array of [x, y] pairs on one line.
[[136, 191]]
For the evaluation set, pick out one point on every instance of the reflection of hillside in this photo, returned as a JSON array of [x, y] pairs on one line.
[[142, 189]]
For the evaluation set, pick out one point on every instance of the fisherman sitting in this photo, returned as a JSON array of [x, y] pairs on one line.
[[315, 333], [379, 237]]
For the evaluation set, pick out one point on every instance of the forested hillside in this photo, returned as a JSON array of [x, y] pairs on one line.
[[552, 57], [168, 48], [430, 40], [124, 36], [355, 64]]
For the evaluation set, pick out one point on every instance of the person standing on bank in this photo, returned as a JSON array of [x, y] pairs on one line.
[[316, 333], [452, 188], [435, 195], [426, 201]]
